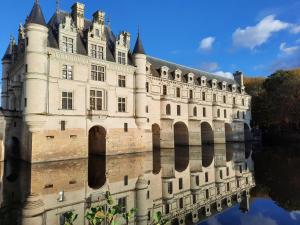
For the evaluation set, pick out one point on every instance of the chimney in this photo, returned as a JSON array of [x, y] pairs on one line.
[[78, 15], [99, 17], [239, 78]]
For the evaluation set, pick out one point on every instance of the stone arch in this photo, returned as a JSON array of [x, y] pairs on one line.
[[97, 140], [207, 134], [156, 148], [181, 134], [181, 141], [228, 133], [207, 155], [247, 132], [96, 171]]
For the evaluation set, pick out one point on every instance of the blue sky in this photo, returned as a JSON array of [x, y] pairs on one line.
[[256, 37]]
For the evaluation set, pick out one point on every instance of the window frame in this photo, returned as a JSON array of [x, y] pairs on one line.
[[67, 99]]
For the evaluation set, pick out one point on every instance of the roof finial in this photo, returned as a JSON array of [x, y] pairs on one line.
[[138, 30], [57, 6]]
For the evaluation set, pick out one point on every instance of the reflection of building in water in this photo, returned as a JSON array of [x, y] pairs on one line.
[[210, 182]]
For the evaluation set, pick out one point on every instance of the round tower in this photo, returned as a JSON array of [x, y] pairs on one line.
[[141, 198], [36, 63], [6, 64], [140, 60]]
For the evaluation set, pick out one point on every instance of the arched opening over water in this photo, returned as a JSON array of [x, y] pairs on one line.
[[247, 132], [207, 155], [207, 134], [97, 159], [228, 133], [97, 140], [181, 141], [14, 148], [156, 148], [181, 134]]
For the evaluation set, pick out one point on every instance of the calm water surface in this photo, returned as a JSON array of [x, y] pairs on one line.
[[214, 185]]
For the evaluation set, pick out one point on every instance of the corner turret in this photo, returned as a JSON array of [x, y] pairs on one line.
[[140, 60], [36, 15]]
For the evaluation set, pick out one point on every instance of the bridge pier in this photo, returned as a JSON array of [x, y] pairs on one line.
[[166, 133], [238, 131], [194, 133], [219, 132]]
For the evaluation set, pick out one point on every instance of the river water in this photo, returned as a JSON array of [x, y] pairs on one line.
[[212, 185]]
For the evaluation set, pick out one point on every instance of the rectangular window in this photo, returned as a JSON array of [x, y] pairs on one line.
[[121, 104], [233, 100], [218, 190], [125, 127], [218, 113], [62, 125], [178, 92], [122, 81], [204, 112], [96, 100], [67, 100], [98, 73], [147, 87], [203, 96], [122, 204], [25, 102], [243, 101], [67, 72], [181, 203], [180, 183], [214, 97], [97, 51], [194, 199], [164, 90], [167, 208], [206, 176], [122, 58], [221, 174], [227, 171], [197, 180], [228, 186], [238, 183], [170, 188], [191, 94], [126, 180], [207, 193], [68, 44], [224, 99], [225, 113], [178, 110]]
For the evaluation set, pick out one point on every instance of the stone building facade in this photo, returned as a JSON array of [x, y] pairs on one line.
[[71, 87]]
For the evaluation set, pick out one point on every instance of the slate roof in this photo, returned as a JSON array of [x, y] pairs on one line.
[[36, 15], [8, 52], [138, 48], [156, 64]]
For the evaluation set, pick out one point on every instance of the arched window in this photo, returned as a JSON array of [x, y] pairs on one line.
[[195, 111], [168, 109], [164, 90]]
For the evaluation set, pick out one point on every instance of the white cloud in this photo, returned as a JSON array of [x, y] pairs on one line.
[[254, 36], [209, 66], [288, 50], [295, 29], [206, 43], [224, 74]]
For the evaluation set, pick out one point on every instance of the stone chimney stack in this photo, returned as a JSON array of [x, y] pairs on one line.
[[239, 78], [78, 15], [99, 17]]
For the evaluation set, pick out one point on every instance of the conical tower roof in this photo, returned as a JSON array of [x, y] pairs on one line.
[[36, 15], [138, 48], [8, 52]]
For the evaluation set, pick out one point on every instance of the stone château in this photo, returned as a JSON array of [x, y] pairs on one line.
[[71, 87]]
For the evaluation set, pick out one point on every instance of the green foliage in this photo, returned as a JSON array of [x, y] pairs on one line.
[[158, 219], [108, 213], [70, 218], [275, 100]]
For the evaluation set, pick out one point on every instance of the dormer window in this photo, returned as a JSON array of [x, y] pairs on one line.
[[224, 85], [214, 83], [190, 77], [122, 58], [233, 88], [68, 44], [164, 72], [97, 51], [203, 81], [178, 74]]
